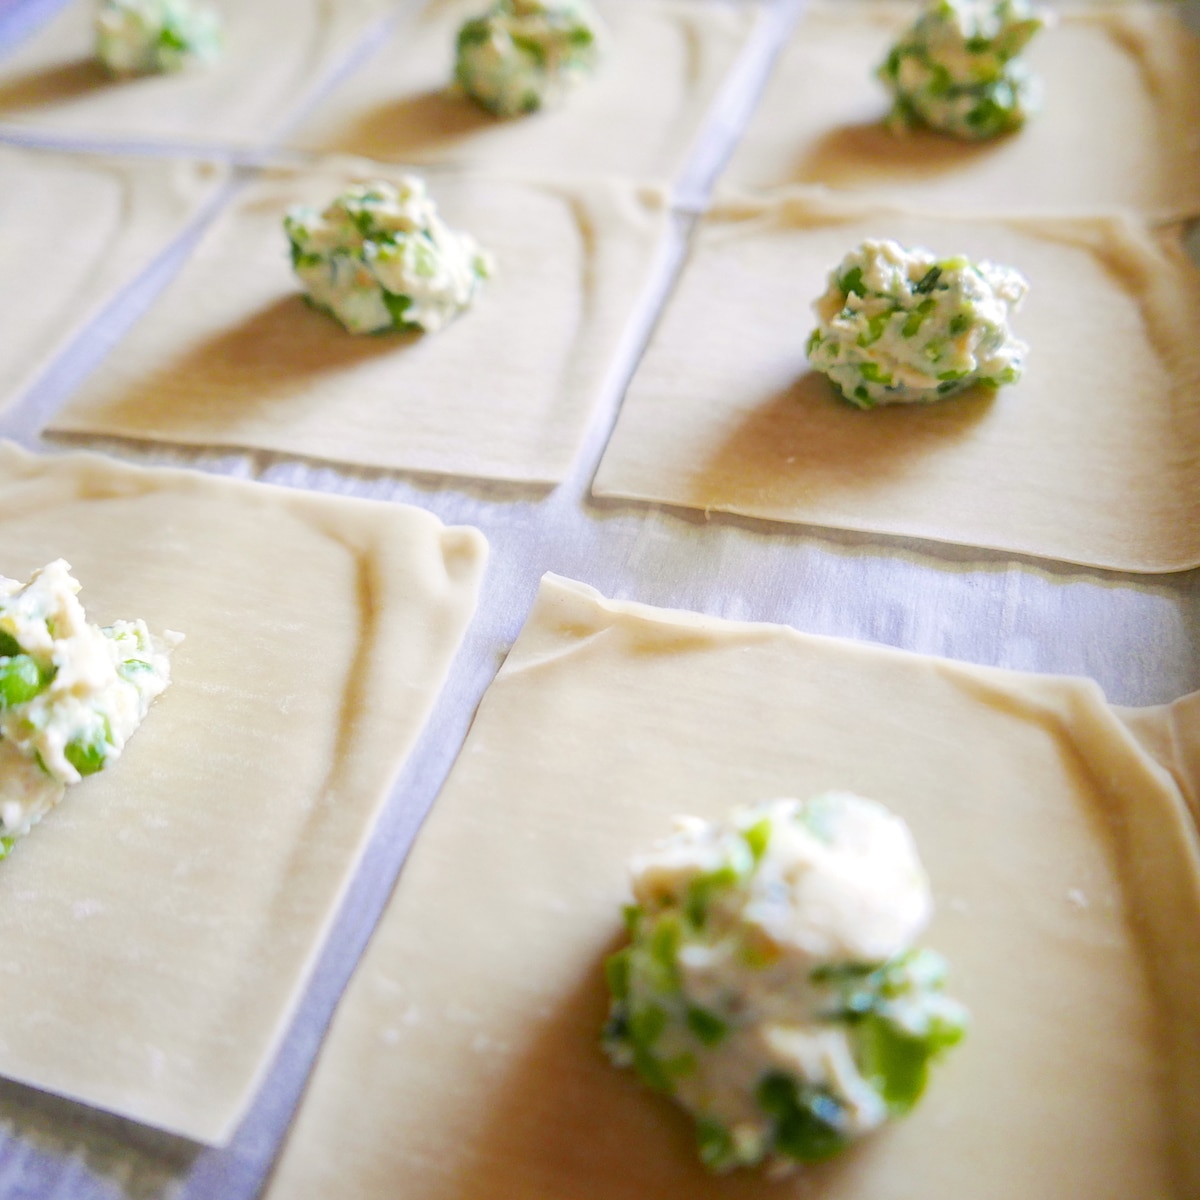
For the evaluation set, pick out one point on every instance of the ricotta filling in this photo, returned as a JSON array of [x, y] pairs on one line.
[[957, 69], [902, 326], [771, 985], [71, 693], [523, 55], [380, 258], [138, 37]]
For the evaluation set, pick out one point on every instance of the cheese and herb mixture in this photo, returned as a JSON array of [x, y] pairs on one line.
[[771, 985], [522, 55], [957, 71], [139, 37], [380, 258], [903, 326], [71, 693]]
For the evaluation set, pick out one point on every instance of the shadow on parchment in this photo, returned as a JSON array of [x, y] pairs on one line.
[[51, 85], [565, 1123], [415, 125], [806, 448], [868, 152], [143, 1163], [262, 366]]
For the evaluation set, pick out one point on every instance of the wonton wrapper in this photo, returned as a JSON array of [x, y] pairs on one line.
[[73, 230], [232, 356], [464, 1060], [1120, 122], [160, 924], [277, 53], [636, 117], [1093, 457]]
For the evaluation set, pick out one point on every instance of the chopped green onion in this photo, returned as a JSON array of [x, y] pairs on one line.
[[708, 1028]]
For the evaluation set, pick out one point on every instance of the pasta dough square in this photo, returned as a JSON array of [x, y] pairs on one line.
[[637, 117], [107, 216], [276, 54], [1091, 458], [1117, 127], [464, 1059], [159, 926], [232, 356]]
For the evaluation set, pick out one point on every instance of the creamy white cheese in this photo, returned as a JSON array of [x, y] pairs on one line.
[[902, 326], [771, 986], [957, 69], [522, 55], [71, 693], [136, 37], [379, 257]]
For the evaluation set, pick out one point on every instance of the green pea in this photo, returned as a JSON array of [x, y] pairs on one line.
[[20, 680], [88, 752], [895, 1062]]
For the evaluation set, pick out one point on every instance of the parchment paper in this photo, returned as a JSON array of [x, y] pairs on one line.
[[74, 229]]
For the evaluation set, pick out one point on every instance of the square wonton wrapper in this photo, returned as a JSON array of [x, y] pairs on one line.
[[1093, 457], [637, 116], [465, 1058], [1120, 122], [232, 356], [76, 229], [276, 54], [160, 924]]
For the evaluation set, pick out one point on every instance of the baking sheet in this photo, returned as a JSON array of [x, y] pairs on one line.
[[1137, 637]]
